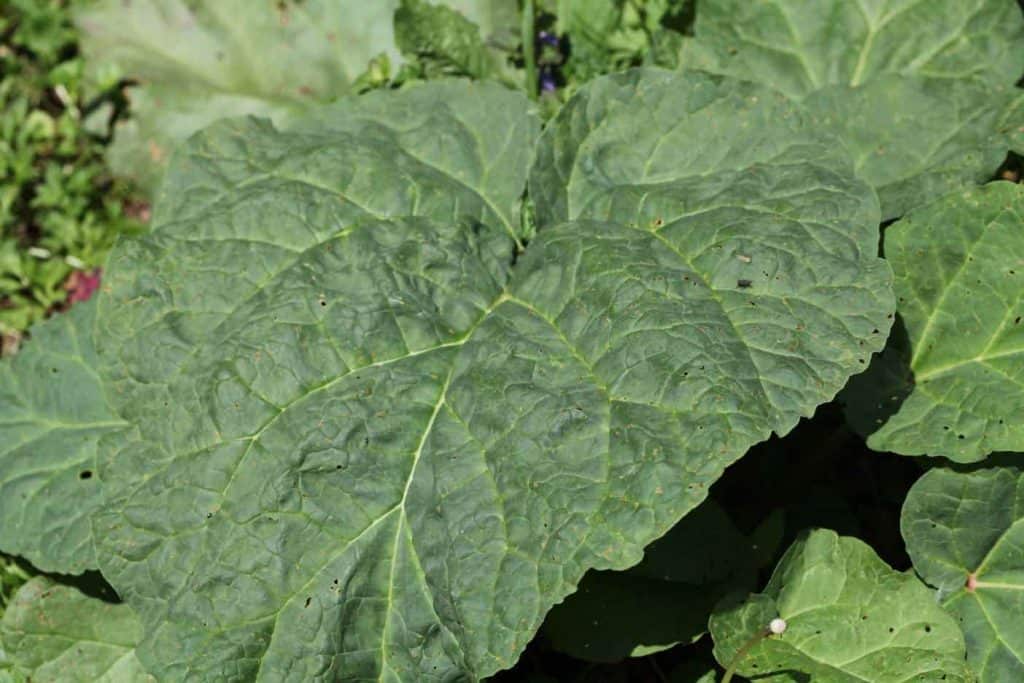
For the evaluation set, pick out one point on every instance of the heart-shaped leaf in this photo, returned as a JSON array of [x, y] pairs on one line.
[[849, 618], [959, 266], [965, 534]]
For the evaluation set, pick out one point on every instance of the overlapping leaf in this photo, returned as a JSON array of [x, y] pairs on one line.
[[668, 597], [917, 89], [52, 413], [371, 439], [53, 633], [959, 266], [964, 534], [850, 618], [198, 62]]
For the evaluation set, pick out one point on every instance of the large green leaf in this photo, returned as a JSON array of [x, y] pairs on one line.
[[800, 46], [959, 266], [371, 438], [54, 633], [850, 618], [464, 149], [916, 89], [916, 139], [668, 597], [965, 534], [52, 413], [201, 61]]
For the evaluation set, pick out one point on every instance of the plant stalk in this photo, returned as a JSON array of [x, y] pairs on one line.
[[742, 652], [529, 38]]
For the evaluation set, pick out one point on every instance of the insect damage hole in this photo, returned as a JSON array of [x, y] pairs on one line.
[[85, 474]]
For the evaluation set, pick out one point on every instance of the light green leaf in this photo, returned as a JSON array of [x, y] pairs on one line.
[[198, 62], [54, 633], [850, 618], [1012, 122], [916, 89], [959, 266], [373, 439], [442, 38], [52, 413], [800, 46], [667, 598], [915, 139], [964, 534]]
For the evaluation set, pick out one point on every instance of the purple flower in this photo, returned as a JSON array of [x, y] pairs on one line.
[[548, 38], [547, 81]]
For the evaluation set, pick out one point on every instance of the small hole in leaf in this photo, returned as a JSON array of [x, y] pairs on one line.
[[308, 601], [85, 474], [927, 628], [892, 630], [960, 436]]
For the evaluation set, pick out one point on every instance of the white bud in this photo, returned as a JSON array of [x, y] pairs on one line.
[[777, 626]]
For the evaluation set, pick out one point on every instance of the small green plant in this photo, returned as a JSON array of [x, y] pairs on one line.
[[59, 209]]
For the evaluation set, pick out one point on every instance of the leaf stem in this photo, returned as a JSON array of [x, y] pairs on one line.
[[530, 48], [776, 627]]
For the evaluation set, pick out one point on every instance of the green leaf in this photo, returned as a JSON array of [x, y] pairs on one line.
[[199, 62], [53, 633], [915, 139], [849, 617], [959, 266], [800, 46], [1012, 123], [372, 438], [441, 41], [916, 89], [667, 598], [466, 148], [52, 413], [964, 535]]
